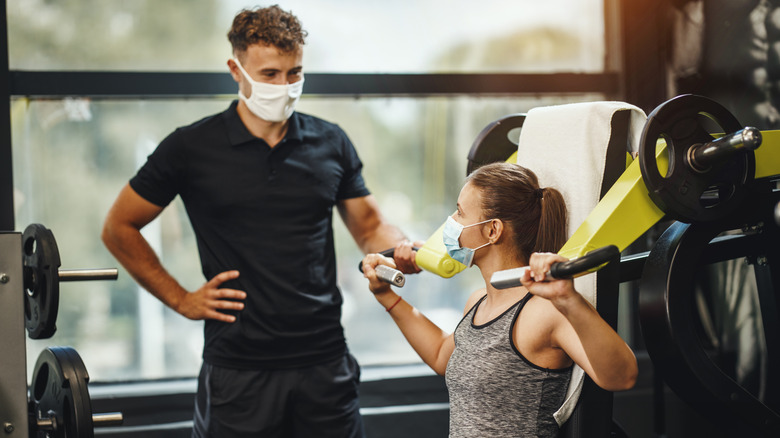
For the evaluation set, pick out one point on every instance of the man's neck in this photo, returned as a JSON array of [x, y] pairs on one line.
[[271, 132]]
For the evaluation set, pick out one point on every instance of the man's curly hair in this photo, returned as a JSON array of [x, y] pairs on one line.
[[271, 26]]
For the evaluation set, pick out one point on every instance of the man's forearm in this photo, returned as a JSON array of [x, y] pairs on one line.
[[385, 236], [133, 252]]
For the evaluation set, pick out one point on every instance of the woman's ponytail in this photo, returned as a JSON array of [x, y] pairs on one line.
[[552, 222], [536, 216]]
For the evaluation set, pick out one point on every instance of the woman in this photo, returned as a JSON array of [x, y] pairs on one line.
[[508, 363]]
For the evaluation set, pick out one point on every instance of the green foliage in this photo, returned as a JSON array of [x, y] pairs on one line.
[[116, 35]]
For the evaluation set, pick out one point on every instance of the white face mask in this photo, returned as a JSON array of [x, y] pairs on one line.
[[271, 102]]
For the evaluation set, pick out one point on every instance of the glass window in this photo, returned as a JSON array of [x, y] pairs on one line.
[[352, 36], [72, 156]]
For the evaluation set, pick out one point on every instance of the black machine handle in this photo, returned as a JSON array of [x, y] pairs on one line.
[[592, 259], [387, 253], [568, 269]]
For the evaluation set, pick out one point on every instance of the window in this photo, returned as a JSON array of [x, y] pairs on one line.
[[72, 155], [350, 36]]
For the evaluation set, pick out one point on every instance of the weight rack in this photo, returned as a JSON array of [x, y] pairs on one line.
[[58, 403]]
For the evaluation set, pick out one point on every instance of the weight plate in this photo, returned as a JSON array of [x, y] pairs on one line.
[[59, 393], [683, 193], [669, 318], [41, 261]]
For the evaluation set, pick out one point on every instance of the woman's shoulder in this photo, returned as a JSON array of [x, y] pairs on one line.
[[541, 314], [474, 299], [543, 308]]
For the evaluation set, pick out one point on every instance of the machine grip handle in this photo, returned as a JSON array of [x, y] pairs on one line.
[[592, 259], [390, 275], [386, 273], [571, 268], [387, 253]]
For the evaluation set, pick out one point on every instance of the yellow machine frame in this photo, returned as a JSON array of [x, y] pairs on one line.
[[623, 214]]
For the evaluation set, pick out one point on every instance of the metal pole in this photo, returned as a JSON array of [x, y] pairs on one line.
[[6, 163], [87, 274]]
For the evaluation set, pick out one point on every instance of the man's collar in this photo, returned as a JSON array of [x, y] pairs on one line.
[[239, 134], [294, 128]]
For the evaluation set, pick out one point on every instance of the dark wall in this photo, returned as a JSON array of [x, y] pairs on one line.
[[728, 50]]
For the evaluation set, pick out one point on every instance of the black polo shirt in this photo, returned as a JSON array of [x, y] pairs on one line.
[[266, 212]]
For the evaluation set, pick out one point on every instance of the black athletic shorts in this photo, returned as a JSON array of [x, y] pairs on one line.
[[316, 401]]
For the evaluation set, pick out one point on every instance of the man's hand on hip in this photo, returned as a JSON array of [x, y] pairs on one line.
[[209, 300]]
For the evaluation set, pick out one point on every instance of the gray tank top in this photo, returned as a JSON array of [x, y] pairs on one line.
[[494, 391]]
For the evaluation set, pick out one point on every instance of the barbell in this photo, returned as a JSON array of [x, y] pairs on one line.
[[42, 277], [59, 403]]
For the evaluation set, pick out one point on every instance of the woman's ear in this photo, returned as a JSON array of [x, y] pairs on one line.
[[495, 230]]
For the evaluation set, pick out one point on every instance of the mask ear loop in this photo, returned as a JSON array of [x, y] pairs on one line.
[[243, 72], [247, 77], [492, 241], [489, 242], [499, 230]]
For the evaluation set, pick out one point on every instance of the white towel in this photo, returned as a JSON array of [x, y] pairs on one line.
[[566, 146]]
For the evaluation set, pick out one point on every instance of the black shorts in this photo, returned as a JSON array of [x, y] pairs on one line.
[[316, 401]]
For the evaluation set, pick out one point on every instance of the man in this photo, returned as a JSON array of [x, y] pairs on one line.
[[259, 182]]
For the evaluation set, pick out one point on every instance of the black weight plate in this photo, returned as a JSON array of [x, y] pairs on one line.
[[668, 315], [683, 193], [59, 392], [493, 143], [41, 261]]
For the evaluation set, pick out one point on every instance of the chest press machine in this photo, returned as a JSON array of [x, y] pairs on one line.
[[58, 403], [722, 192]]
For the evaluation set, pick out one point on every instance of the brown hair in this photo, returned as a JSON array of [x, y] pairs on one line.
[[537, 216], [271, 26]]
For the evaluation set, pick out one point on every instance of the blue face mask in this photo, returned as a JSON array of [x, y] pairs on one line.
[[450, 236]]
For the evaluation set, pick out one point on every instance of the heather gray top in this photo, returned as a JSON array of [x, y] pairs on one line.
[[494, 391]]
